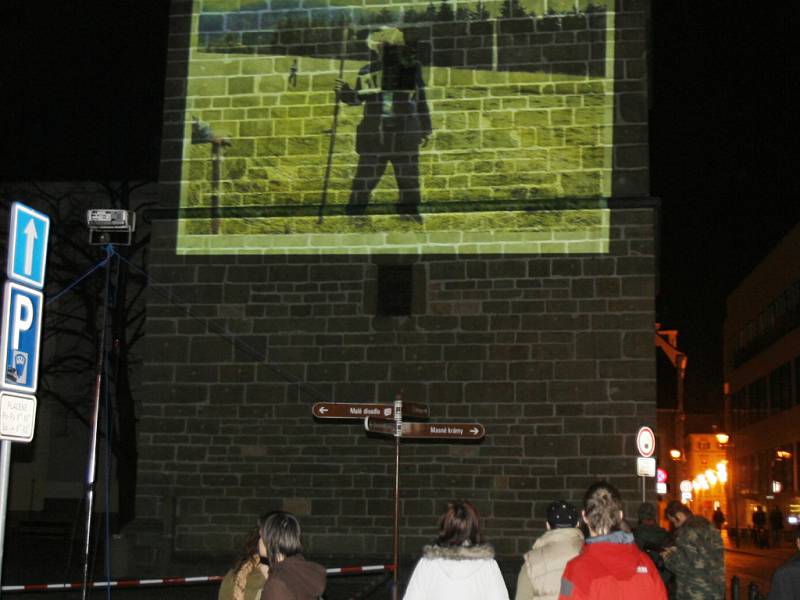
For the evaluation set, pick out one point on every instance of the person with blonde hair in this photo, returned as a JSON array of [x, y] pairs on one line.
[[248, 574], [458, 566], [610, 566]]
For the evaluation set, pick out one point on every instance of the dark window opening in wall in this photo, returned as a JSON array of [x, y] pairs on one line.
[[395, 290]]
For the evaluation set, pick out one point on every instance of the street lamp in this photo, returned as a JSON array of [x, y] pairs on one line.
[[675, 454], [724, 442]]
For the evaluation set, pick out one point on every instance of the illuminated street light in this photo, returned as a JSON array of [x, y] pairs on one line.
[[711, 476], [675, 454], [723, 438]]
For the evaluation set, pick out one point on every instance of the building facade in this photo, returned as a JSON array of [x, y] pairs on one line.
[[521, 297], [762, 380]]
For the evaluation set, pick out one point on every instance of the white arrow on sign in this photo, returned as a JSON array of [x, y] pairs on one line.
[[474, 431], [30, 241], [323, 410]]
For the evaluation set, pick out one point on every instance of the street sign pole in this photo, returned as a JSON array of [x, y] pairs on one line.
[[91, 467], [398, 421], [5, 466], [28, 235]]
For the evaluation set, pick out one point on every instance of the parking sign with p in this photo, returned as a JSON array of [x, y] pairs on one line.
[[22, 322]]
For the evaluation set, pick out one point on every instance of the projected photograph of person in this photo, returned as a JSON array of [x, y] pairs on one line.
[[313, 127]]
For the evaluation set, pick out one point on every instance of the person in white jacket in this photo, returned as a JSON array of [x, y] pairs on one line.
[[458, 566], [540, 576]]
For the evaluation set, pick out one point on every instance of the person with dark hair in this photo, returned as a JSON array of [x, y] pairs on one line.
[[786, 579], [697, 556], [291, 577], [775, 526], [540, 575], [247, 576], [458, 566], [610, 566], [760, 527], [652, 539], [718, 518]]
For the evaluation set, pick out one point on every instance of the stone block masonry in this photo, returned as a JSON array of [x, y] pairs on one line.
[[546, 344], [547, 352]]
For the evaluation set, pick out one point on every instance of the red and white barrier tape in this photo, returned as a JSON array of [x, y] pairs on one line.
[[129, 583]]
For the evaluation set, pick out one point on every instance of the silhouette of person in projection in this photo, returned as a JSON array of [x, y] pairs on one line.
[[396, 121]]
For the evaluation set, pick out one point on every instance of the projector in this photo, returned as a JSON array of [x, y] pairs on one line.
[[110, 226], [102, 218]]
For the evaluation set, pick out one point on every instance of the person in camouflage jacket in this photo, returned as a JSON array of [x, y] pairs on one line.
[[697, 557]]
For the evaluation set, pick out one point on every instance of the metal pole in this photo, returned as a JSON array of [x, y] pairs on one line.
[[735, 587], [216, 173], [91, 466], [5, 468], [644, 489], [334, 125], [398, 420]]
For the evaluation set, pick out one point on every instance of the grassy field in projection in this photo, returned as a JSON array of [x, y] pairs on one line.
[[501, 139]]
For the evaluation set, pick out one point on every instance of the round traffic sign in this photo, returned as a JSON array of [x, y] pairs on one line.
[[686, 486], [661, 475], [646, 442]]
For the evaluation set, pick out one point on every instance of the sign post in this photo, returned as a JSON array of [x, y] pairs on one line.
[[387, 419], [645, 464], [28, 234]]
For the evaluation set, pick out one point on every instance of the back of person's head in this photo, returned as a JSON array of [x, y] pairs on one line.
[[602, 508], [676, 507], [459, 525], [647, 512], [280, 532], [562, 514]]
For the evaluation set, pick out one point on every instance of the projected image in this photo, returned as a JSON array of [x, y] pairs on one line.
[[319, 126]]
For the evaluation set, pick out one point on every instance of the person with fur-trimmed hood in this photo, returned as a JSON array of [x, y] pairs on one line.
[[458, 566], [540, 576]]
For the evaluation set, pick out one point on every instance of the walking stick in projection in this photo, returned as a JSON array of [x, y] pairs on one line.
[[332, 142]]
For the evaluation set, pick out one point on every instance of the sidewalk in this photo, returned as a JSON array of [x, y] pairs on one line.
[[785, 551]]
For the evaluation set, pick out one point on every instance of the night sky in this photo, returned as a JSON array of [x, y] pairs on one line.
[[82, 91]]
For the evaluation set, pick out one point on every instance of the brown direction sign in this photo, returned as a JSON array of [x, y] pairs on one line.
[[384, 426], [414, 410], [343, 410], [470, 431]]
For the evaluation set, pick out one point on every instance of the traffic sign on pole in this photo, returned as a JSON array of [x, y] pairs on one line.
[[27, 245], [343, 410], [382, 426], [17, 416], [468, 431], [646, 442], [22, 322], [361, 410], [471, 431]]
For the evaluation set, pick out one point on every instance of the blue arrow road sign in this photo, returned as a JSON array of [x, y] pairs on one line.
[[27, 245], [22, 321]]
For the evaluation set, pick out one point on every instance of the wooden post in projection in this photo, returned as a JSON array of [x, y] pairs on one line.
[[387, 419]]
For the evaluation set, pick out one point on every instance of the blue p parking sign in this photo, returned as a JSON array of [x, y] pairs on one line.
[[22, 322]]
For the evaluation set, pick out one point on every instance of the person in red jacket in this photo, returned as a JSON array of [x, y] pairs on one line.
[[610, 566]]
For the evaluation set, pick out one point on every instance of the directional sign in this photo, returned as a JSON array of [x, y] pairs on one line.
[[345, 410], [17, 416], [383, 426], [473, 431], [27, 245], [342, 410], [22, 321], [414, 410], [470, 431], [646, 442]]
